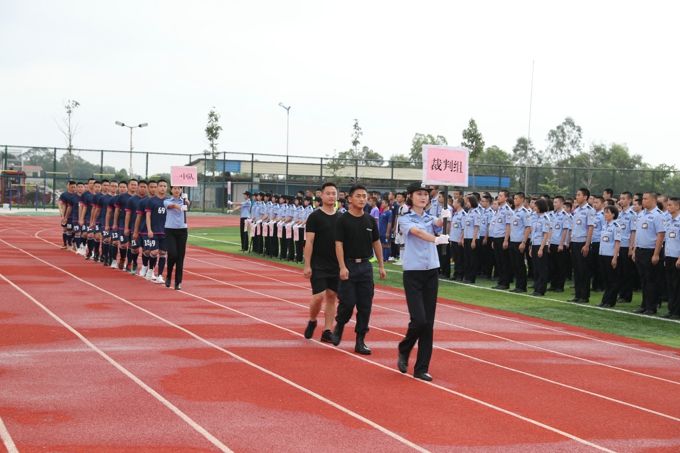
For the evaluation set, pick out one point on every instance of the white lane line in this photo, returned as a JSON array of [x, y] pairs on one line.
[[7, 439], [188, 420], [286, 268], [305, 390], [446, 323], [480, 360]]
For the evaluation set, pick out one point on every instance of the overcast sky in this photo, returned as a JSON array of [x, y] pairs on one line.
[[399, 67]]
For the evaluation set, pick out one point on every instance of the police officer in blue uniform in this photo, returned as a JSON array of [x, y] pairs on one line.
[[559, 253], [583, 224], [540, 233], [245, 214], [626, 221], [499, 231], [598, 205], [672, 260], [649, 238], [456, 239], [421, 279], [609, 253], [519, 234]]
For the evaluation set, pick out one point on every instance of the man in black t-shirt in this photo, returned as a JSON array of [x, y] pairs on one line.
[[321, 264], [356, 241]]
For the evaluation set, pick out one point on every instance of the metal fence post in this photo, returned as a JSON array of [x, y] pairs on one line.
[[4, 164], [146, 171], [54, 177], [101, 164], [252, 171], [321, 172], [356, 171], [392, 170]]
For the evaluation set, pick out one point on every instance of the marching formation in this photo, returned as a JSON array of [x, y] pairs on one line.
[[113, 222]]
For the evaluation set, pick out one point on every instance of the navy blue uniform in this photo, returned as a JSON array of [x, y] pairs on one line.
[[121, 204], [86, 203], [132, 207], [157, 209]]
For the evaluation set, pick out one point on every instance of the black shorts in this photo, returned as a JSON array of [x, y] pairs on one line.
[[69, 226], [123, 239], [160, 240], [323, 281], [77, 228], [106, 234], [114, 235]]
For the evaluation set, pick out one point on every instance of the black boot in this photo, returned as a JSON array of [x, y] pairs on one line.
[[337, 333], [361, 347]]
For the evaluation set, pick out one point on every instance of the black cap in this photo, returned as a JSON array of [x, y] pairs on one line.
[[247, 192], [417, 186]]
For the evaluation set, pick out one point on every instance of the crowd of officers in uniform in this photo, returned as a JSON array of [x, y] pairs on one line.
[[616, 245]]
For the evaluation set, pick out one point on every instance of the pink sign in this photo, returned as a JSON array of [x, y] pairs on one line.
[[445, 165], [184, 176]]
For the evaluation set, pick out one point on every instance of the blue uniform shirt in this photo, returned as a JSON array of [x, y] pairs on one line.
[[471, 221], [174, 218], [559, 222], [245, 209], [519, 223], [435, 210], [611, 232], [584, 217], [418, 255], [111, 207], [649, 224], [599, 223], [672, 239], [383, 221], [86, 203], [74, 202], [102, 203], [483, 221], [132, 206], [626, 221], [121, 204], [457, 222], [540, 225], [501, 218], [141, 211], [157, 209]]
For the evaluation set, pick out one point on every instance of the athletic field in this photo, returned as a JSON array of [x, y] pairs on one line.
[[94, 359]]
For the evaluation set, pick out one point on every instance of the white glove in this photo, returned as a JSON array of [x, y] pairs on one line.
[[441, 240], [445, 214]]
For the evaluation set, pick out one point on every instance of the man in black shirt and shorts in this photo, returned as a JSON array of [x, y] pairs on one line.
[[321, 264], [356, 241]]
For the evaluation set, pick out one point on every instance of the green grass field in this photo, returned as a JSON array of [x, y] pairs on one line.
[[553, 307]]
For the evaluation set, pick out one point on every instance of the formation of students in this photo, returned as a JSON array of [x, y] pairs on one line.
[[113, 223]]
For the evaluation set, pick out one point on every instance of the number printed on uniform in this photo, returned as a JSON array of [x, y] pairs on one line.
[[161, 210]]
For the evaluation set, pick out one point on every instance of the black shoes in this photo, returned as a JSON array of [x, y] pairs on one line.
[[537, 294], [337, 334], [309, 330], [503, 287], [326, 336], [178, 286], [423, 376], [518, 290], [167, 282], [622, 301], [639, 311], [576, 300], [402, 362], [360, 346], [649, 312]]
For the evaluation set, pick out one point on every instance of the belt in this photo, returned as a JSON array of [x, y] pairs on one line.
[[358, 260]]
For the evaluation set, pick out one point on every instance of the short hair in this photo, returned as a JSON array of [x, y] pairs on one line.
[[568, 204], [559, 197], [97, 181], [122, 182], [504, 192], [162, 180], [521, 195], [611, 202], [487, 197], [70, 183], [598, 197], [90, 179], [584, 191], [143, 182], [613, 209], [627, 194], [328, 184], [104, 180], [674, 200], [608, 191], [542, 205], [132, 179], [356, 187], [80, 183], [152, 181]]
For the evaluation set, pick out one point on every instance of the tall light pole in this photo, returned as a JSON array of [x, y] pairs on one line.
[[287, 109], [118, 123]]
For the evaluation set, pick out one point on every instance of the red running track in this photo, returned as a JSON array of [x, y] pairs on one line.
[[92, 359]]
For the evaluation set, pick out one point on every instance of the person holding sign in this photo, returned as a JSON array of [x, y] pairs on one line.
[[176, 234], [421, 278]]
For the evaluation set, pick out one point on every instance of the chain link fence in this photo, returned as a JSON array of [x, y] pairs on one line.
[[36, 176]]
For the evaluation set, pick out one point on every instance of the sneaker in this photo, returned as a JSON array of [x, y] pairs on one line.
[[397, 262], [142, 272], [327, 336], [159, 279], [309, 330], [114, 265], [149, 275]]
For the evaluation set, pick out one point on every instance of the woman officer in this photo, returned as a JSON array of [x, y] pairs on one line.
[[421, 278]]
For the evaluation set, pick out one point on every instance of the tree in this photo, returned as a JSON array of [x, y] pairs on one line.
[[564, 141], [493, 155], [473, 140], [416, 156], [212, 133], [400, 161], [356, 135], [524, 153]]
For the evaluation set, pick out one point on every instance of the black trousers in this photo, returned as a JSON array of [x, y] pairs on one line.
[[628, 275], [445, 269], [582, 271], [176, 243], [421, 289], [457, 251], [300, 245], [541, 269], [611, 279], [559, 261], [283, 244], [502, 262], [519, 267], [594, 255], [649, 278], [357, 292], [487, 259], [274, 240], [244, 235], [673, 279], [471, 260]]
